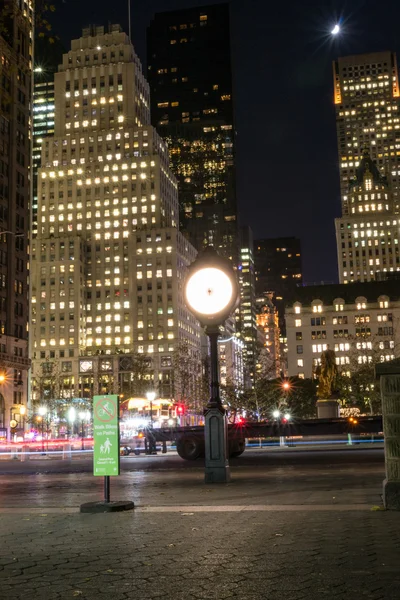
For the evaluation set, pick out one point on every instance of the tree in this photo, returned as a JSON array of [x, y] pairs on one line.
[[189, 377], [356, 383], [140, 379], [48, 392], [268, 395]]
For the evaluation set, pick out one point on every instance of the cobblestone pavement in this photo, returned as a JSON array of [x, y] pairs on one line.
[[286, 532], [251, 555]]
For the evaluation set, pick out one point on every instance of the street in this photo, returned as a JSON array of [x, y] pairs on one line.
[[306, 525]]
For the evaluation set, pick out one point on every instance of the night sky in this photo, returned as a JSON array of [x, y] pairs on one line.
[[287, 173]]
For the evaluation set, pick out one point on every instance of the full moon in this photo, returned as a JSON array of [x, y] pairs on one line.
[[335, 30]]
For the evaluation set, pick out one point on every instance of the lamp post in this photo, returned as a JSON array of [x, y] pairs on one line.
[[42, 411], [71, 417], [82, 416], [150, 397], [22, 412], [152, 449], [211, 294]]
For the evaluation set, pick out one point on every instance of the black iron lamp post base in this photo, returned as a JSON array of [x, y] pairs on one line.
[[102, 507]]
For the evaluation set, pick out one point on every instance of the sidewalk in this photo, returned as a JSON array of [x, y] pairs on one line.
[[273, 533]]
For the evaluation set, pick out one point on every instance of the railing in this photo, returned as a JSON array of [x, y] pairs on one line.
[[11, 360]]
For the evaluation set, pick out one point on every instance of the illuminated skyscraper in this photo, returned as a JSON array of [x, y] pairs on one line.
[[47, 58], [368, 237], [366, 95], [108, 260], [247, 322], [190, 76]]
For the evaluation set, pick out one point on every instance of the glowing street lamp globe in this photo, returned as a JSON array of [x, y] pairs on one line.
[[72, 414], [211, 292], [211, 288], [150, 396]]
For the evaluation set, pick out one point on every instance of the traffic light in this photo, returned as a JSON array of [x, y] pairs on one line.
[[180, 409]]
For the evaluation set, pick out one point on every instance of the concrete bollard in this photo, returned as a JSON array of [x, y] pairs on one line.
[[66, 455], [25, 453], [389, 374]]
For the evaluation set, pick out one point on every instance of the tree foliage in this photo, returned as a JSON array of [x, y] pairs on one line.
[[140, 379], [357, 386], [189, 378], [269, 395]]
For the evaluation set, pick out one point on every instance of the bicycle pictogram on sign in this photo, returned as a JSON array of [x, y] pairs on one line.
[[105, 410]]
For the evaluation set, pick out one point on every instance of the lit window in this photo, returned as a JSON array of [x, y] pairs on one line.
[[297, 323]]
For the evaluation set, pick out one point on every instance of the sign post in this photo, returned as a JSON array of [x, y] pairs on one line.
[[106, 451], [106, 437]]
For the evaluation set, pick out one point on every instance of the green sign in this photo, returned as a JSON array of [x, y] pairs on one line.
[[105, 435]]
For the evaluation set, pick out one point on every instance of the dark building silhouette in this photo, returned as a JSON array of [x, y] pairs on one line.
[[15, 91], [190, 76], [278, 269]]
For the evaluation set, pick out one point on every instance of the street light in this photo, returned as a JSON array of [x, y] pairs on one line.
[[276, 414], [83, 416], [150, 397], [42, 411], [151, 441], [212, 293], [72, 417]]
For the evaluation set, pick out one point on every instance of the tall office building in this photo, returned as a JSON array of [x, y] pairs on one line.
[[16, 72], [109, 259], [43, 125], [247, 320], [47, 58], [190, 76], [368, 237], [367, 99], [278, 268]]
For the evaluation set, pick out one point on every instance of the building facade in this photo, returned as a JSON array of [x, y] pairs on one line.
[[190, 76], [246, 321], [43, 126], [278, 269], [269, 361], [367, 102], [109, 260], [15, 139], [368, 236], [47, 58], [231, 361], [359, 321]]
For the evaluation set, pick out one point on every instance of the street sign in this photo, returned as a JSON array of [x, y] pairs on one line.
[[105, 435]]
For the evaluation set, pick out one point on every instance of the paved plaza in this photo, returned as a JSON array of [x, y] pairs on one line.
[[310, 529]]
